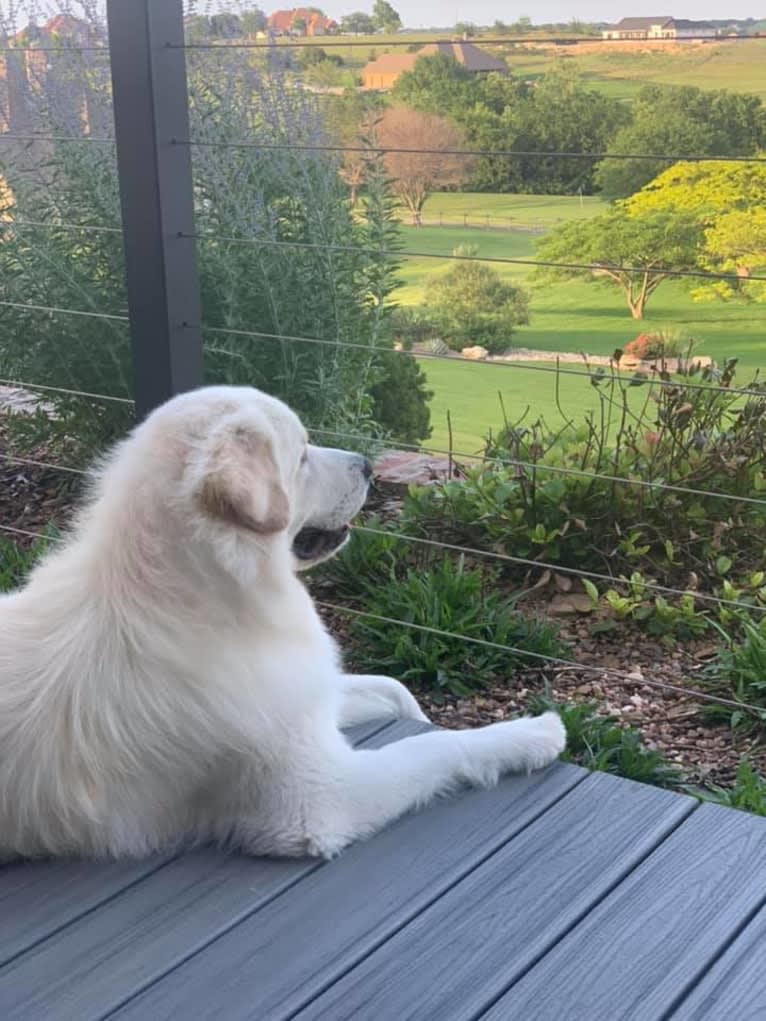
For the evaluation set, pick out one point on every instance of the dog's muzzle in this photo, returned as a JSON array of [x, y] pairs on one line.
[[317, 543]]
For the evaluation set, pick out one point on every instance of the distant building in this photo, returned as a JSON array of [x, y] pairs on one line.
[[659, 28], [283, 23], [383, 72]]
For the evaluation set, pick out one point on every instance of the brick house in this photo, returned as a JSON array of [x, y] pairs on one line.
[[382, 73], [282, 22]]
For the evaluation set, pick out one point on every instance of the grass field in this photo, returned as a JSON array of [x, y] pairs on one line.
[[477, 396], [738, 65], [573, 316], [503, 211]]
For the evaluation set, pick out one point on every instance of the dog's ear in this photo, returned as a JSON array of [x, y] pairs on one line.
[[241, 484]]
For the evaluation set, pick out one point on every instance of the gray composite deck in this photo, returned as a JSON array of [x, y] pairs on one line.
[[562, 896]]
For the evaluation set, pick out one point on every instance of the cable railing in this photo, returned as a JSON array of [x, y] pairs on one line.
[[559, 662], [386, 41], [408, 253], [654, 379]]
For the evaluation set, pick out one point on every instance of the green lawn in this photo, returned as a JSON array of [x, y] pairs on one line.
[[533, 211], [476, 394], [738, 65], [574, 316], [580, 316]]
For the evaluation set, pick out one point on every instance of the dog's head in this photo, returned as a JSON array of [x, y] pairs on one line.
[[248, 470]]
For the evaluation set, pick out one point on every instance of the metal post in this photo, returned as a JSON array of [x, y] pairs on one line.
[[150, 112]]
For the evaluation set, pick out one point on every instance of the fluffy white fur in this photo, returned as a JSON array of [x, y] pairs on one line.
[[164, 673]]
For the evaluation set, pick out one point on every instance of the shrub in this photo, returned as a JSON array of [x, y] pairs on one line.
[[748, 793], [703, 439], [436, 346], [471, 304], [739, 673], [452, 603], [663, 344], [400, 399], [411, 326], [272, 196], [597, 742]]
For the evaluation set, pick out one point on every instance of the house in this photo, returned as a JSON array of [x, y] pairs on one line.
[[383, 72], [310, 22], [659, 28]]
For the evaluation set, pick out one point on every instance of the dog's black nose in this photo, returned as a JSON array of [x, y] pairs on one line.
[[367, 468]]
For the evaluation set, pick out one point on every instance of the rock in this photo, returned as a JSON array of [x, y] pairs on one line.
[[409, 468], [476, 353], [569, 604]]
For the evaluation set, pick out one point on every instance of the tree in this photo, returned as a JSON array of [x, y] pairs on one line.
[[283, 204], [466, 29], [225, 25], [728, 202], [253, 21], [472, 304], [401, 398], [562, 114], [197, 28], [435, 165], [437, 84], [673, 120], [632, 252], [298, 25], [357, 23], [384, 17], [350, 120]]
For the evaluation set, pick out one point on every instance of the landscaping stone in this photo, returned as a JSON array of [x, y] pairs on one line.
[[477, 353], [403, 468]]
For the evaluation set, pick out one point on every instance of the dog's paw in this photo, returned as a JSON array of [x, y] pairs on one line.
[[547, 739]]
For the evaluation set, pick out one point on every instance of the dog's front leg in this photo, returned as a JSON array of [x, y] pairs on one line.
[[362, 790], [368, 697]]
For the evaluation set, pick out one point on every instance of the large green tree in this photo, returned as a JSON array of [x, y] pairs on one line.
[[253, 21], [728, 202], [676, 121], [561, 114], [384, 17], [632, 253], [437, 84], [357, 23]]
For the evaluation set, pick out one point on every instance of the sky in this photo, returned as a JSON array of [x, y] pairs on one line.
[[416, 13], [432, 13]]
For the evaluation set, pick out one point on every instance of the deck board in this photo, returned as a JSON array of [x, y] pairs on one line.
[[562, 895], [656, 935], [297, 945], [735, 987], [488, 930], [108, 934]]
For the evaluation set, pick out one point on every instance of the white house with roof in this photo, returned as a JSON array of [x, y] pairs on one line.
[[659, 28]]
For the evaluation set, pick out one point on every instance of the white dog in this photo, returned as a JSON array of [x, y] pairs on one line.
[[164, 673]]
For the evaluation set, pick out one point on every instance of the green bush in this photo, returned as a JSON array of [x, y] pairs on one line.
[[400, 399], [271, 196], [598, 743], [702, 439], [748, 793], [739, 673], [471, 304], [451, 602]]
